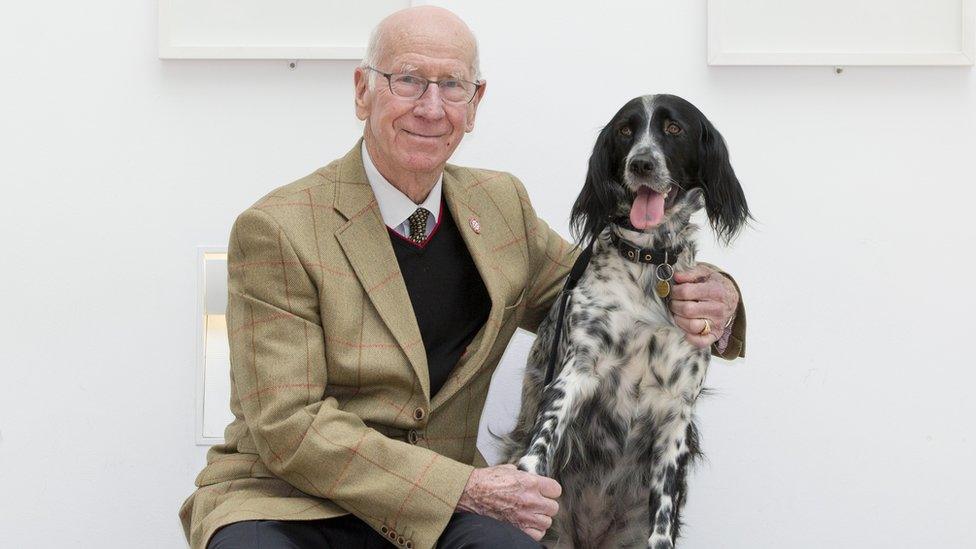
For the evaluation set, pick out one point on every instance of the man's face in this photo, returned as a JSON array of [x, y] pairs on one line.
[[415, 135]]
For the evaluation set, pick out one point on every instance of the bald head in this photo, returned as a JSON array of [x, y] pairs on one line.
[[410, 137], [429, 28]]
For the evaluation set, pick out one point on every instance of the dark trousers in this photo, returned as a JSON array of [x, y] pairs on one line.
[[463, 531]]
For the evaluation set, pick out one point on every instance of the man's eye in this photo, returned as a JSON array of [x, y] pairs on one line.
[[672, 129], [409, 80], [450, 84], [625, 131]]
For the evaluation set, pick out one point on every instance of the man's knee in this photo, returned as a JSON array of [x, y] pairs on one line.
[[473, 531]]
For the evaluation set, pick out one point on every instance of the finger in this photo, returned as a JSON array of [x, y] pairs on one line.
[[549, 488], [534, 520], [508, 466], [542, 522], [541, 505], [534, 533], [699, 291], [689, 309], [712, 310], [688, 291], [691, 326], [696, 273], [702, 342], [683, 323], [694, 327]]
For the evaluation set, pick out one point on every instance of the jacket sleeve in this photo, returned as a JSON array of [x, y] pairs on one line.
[[277, 348], [550, 259]]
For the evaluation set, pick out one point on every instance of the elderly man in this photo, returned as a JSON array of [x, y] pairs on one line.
[[369, 304]]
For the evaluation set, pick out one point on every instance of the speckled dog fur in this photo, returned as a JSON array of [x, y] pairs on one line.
[[615, 426]]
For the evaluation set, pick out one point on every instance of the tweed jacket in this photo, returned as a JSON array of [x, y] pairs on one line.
[[329, 383]]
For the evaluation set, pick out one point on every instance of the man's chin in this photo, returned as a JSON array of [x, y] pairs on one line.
[[424, 160], [424, 164]]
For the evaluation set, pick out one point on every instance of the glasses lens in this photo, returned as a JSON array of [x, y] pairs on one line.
[[456, 91], [405, 85]]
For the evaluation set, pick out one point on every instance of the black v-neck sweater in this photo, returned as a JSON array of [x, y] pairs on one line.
[[448, 296]]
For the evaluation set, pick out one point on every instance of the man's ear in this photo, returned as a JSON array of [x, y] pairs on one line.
[[361, 80], [473, 107]]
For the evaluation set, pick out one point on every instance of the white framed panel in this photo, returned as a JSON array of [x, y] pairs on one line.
[[261, 29], [213, 350], [841, 32]]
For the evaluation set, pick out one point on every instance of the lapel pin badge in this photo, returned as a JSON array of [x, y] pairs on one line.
[[475, 225]]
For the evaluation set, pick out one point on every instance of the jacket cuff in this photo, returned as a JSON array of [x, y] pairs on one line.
[[421, 527]]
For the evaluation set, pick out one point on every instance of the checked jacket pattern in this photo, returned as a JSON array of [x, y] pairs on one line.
[[329, 377]]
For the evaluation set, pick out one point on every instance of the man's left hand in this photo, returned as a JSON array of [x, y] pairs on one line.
[[699, 294]]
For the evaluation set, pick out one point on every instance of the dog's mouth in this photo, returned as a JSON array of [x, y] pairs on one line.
[[649, 206]]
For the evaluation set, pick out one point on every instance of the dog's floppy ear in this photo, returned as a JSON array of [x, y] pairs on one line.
[[725, 203], [595, 203]]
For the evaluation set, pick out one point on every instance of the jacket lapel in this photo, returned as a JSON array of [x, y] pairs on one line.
[[464, 208], [365, 241]]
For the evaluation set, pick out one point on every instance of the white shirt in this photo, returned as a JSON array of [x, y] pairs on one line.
[[396, 207]]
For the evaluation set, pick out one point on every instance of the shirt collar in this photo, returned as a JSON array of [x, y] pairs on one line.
[[396, 207]]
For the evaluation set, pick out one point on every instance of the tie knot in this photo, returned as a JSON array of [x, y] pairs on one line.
[[418, 225]]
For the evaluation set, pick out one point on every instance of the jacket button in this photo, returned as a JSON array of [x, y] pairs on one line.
[[392, 535], [419, 413], [413, 436], [400, 540], [409, 544], [384, 529]]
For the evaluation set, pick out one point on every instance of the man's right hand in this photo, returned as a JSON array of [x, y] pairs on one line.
[[503, 492]]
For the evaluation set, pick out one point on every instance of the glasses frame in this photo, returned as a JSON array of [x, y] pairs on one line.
[[427, 82]]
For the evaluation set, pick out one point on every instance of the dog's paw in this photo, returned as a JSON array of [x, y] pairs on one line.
[[530, 464], [657, 541]]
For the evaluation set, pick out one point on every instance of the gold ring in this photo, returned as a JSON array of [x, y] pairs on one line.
[[707, 329]]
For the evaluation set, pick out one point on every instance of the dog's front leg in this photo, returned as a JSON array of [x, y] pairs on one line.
[[668, 479], [560, 402]]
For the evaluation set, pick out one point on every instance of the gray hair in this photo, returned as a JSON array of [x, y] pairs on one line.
[[374, 49]]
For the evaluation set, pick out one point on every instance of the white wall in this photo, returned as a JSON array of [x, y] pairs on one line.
[[850, 423]]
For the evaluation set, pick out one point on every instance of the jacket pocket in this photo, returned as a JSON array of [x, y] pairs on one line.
[[510, 307], [515, 304]]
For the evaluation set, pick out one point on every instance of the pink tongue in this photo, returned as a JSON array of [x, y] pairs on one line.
[[647, 210]]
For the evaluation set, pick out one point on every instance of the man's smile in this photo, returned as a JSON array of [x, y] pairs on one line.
[[424, 135]]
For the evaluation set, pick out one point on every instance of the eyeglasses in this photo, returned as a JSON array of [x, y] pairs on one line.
[[409, 86]]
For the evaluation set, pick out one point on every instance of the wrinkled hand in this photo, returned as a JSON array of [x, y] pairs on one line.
[[702, 293], [503, 492]]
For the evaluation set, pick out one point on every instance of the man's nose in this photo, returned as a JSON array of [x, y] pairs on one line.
[[430, 105]]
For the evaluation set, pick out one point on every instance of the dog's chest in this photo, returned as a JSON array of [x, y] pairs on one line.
[[624, 293], [643, 358], [624, 323]]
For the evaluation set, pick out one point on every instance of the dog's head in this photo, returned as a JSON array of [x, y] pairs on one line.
[[647, 164]]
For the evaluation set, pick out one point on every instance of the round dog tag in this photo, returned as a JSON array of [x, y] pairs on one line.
[[662, 288]]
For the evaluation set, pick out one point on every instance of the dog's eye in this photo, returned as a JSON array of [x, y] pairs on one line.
[[672, 129], [625, 131]]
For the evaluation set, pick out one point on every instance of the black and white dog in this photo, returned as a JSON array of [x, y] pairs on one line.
[[615, 424]]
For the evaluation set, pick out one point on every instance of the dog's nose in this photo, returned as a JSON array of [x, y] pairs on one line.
[[642, 166]]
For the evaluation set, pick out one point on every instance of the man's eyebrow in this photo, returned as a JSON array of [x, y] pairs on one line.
[[456, 74]]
